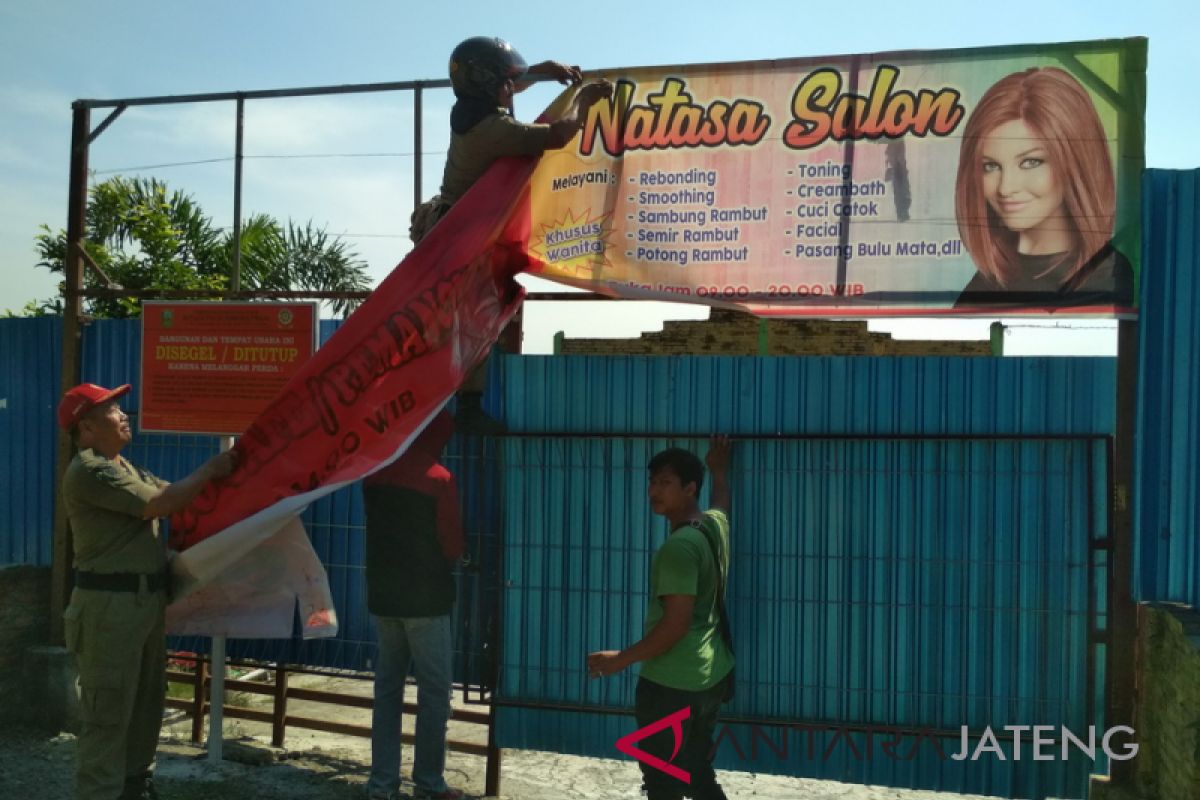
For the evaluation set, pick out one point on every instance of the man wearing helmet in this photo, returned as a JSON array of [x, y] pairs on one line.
[[486, 72]]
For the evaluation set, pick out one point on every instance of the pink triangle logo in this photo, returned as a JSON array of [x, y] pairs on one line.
[[673, 721]]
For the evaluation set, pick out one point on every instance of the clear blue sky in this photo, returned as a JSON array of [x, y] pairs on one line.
[[54, 52]]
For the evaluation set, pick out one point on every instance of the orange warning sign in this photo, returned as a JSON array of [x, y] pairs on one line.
[[213, 367]]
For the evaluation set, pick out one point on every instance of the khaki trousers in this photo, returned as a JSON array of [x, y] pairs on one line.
[[119, 645]]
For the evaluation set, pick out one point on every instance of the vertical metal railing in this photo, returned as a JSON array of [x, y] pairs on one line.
[[235, 280]]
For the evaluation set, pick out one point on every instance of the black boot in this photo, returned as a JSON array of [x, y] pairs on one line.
[[470, 417], [140, 787]]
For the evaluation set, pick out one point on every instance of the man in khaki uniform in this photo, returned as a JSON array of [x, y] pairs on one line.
[[114, 623]]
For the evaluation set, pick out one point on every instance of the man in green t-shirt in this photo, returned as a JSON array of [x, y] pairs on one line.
[[114, 623], [687, 660]]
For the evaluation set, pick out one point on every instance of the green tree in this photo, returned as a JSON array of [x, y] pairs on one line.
[[35, 308], [144, 236]]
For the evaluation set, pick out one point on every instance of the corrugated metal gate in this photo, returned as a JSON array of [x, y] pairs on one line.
[[919, 545]]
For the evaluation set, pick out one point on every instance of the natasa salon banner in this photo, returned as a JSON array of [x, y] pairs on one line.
[[967, 182]]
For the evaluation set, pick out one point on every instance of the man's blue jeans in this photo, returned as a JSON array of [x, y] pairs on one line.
[[426, 644]]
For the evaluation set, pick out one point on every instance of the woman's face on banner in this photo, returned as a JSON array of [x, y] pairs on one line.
[[1019, 182]]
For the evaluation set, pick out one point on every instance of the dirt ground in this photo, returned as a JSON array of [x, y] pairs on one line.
[[334, 767]]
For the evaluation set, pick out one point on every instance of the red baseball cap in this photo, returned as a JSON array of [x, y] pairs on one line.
[[82, 399]]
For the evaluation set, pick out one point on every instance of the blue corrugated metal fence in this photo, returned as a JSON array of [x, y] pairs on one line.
[[1168, 454], [30, 355], [899, 562]]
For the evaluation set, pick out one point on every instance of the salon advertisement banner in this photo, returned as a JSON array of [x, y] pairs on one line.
[[968, 182]]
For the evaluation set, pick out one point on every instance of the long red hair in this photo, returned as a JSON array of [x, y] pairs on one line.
[[1053, 104]]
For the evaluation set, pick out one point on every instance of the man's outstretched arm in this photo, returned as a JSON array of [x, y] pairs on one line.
[[718, 464]]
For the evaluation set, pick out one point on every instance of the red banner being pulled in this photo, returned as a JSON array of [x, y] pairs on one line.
[[367, 392]]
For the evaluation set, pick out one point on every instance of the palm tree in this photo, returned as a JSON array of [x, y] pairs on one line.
[[275, 258], [144, 237]]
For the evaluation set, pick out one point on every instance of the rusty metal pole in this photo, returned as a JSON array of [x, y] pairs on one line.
[[495, 756], [1121, 661], [279, 707], [1122, 665], [235, 280], [417, 199], [198, 700], [64, 551]]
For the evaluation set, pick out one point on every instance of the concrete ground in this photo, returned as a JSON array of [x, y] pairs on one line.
[[526, 775]]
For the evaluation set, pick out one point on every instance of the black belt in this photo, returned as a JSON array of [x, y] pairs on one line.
[[121, 581]]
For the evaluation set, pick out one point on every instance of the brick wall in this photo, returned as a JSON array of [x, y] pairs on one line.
[[1168, 720], [735, 333], [1167, 766], [24, 621]]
